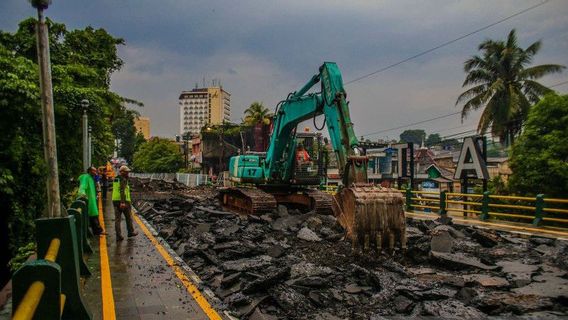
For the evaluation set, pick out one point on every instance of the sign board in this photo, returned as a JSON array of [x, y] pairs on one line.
[[471, 163], [405, 167]]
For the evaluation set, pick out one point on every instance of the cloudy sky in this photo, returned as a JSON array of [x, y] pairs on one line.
[[261, 50]]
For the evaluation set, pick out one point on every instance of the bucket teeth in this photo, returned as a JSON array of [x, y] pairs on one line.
[[373, 217]]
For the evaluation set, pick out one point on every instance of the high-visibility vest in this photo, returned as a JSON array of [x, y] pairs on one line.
[[116, 190]]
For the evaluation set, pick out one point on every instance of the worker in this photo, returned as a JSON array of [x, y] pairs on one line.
[[122, 203], [87, 190], [104, 182], [302, 156]]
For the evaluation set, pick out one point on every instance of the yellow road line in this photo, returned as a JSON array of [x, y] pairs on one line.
[[471, 222], [191, 288], [106, 283]]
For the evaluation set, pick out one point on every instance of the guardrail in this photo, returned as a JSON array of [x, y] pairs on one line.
[[49, 288], [189, 179], [537, 210]]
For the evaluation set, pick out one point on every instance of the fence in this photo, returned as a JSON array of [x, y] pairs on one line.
[[49, 288], [189, 179], [537, 210]]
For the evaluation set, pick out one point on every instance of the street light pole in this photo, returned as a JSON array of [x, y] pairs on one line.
[[48, 117], [85, 106], [90, 147]]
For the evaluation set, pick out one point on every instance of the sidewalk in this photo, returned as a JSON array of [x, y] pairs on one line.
[[138, 282]]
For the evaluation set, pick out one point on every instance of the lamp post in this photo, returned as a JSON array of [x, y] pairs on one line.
[[90, 147], [85, 106], [48, 118]]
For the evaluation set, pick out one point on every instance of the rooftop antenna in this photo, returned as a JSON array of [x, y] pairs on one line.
[[203, 81]]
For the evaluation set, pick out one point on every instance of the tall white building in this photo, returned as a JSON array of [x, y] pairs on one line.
[[203, 106]]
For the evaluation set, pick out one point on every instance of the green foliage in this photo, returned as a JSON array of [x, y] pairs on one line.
[[139, 141], [257, 113], [415, 136], [226, 129], [22, 255], [124, 130], [504, 86], [158, 155], [433, 139], [539, 158], [82, 62]]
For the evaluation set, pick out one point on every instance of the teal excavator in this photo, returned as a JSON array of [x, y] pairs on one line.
[[372, 216]]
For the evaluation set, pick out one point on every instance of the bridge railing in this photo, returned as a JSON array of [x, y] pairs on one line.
[[49, 287], [537, 210], [189, 179]]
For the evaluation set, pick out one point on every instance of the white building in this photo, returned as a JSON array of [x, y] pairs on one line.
[[203, 106]]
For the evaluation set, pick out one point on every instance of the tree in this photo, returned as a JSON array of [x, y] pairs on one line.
[[124, 130], [504, 86], [158, 155], [539, 158], [415, 136], [75, 77], [257, 113], [433, 139]]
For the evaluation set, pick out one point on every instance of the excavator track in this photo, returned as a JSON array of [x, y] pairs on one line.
[[322, 202], [373, 216], [247, 200]]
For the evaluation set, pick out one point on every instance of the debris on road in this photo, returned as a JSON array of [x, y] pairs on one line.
[[296, 265]]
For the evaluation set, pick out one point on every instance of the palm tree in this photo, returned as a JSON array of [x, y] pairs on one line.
[[257, 113], [504, 85]]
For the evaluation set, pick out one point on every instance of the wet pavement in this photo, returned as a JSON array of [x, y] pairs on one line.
[[143, 285]]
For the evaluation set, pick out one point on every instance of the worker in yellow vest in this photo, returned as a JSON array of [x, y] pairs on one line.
[[122, 203]]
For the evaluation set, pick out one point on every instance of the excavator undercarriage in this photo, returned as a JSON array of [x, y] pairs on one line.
[[245, 200]]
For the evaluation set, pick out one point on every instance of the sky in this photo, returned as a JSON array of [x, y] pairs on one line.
[[260, 50]]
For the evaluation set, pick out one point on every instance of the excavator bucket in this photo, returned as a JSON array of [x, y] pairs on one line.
[[373, 217]]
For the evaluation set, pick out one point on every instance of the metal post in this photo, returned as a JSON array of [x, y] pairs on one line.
[[48, 117], [408, 199], [443, 210], [90, 147], [85, 106], [485, 206], [539, 209], [464, 191]]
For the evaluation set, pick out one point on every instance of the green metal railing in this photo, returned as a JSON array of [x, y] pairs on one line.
[[49, 288], [537, 210]]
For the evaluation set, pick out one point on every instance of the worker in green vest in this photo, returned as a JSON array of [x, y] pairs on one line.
[[88, 190], [122, 203]]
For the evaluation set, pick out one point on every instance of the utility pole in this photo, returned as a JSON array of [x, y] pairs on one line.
[[85, 106], [48, 117]]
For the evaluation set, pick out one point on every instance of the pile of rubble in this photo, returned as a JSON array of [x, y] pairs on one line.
[[290, 264]]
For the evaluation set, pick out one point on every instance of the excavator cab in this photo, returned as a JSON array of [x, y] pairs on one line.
[[308, 166]]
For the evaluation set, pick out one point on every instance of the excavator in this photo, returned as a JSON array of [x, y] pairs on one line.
[[372, 216]]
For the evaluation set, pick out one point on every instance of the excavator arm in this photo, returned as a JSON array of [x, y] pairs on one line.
[[373, 216], [331, 102]]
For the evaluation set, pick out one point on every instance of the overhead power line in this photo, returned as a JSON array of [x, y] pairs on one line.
[[447, 43], [411, 124]]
